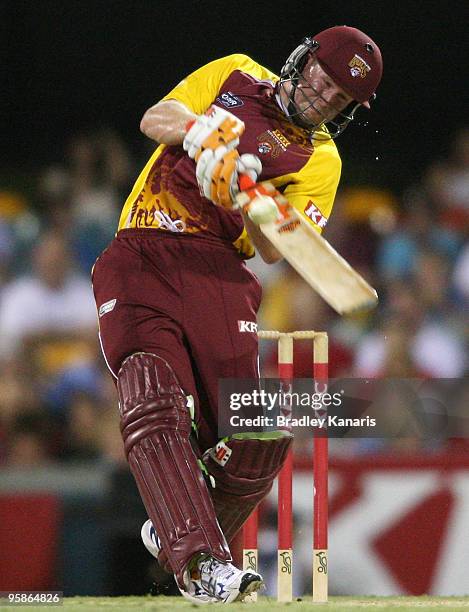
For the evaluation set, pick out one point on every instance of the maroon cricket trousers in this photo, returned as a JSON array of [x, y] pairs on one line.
[[187, 299]]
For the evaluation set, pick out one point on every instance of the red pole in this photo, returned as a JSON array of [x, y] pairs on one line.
[[320, 472], [285, 484], [250, 551], [250, 537]]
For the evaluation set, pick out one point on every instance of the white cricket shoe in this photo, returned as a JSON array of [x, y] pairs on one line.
[[150, 539], [226, 582], [195, 593]]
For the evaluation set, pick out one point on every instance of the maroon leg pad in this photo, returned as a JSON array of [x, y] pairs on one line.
[[155, 426], [245, 479]]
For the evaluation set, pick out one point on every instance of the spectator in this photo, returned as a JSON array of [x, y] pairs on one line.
[[100, 169], [17, 396], [419, 229], [83, 431], [461, 274], [430, 348], [53, 299], [28, 444], [448, 182]]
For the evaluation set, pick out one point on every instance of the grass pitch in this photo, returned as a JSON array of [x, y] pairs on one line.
[[265, 604]]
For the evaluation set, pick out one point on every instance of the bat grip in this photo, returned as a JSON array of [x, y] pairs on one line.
[[245, 182]]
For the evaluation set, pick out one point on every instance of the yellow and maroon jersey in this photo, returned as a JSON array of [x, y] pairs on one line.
[[166, 195]]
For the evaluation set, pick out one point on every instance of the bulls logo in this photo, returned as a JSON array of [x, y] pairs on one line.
[[264, 148], [273, 142], [358, 67]]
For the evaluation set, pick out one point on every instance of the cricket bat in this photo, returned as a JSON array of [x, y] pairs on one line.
[[327, 272]]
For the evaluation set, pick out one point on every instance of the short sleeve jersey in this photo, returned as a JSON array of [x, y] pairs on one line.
[[307, 171]]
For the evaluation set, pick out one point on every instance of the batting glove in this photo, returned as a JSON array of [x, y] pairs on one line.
[[217, 173], [250, 191], [217, 127]]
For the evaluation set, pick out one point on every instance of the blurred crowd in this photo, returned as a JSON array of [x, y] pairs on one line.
[[58, 403]]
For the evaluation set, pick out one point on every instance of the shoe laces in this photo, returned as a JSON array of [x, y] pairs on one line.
[[213, 571]]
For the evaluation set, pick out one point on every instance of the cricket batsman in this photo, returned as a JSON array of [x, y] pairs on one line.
[[177, 305]]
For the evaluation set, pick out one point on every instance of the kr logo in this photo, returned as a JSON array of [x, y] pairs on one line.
[[247, 326], [313, 212]]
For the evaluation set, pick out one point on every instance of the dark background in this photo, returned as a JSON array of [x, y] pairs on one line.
[[72, 65]]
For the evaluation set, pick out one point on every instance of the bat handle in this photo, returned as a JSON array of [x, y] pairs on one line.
[[245, 182], [243, 199]]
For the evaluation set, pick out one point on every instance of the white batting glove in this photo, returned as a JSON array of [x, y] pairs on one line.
[[217, 127], [217, 173]]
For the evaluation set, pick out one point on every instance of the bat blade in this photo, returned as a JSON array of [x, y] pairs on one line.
[[327, 272]]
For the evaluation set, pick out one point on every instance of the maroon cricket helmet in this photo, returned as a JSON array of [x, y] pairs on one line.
[[349, 57], [352, 59]]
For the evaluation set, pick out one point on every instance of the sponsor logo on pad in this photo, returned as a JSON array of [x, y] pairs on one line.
[[221, 453]]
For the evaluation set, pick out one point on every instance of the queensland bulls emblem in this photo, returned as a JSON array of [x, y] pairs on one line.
[[273, 142], [358, 67]]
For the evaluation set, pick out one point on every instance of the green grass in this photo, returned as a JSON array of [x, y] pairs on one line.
[[265, 604]]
